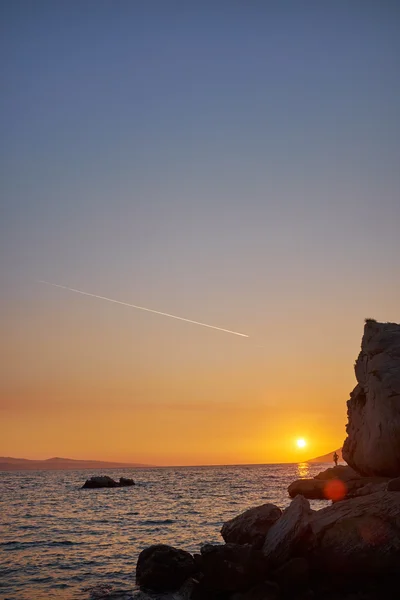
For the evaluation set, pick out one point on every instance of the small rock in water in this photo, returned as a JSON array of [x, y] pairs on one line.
[[124, 481], [100, 481], [103, 481]]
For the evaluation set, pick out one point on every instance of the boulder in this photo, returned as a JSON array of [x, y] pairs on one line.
[[284, 537], [313, 489], [124, 481], [342, 472], [394, 485], [264, 591], [252, 526], [293, 576], [100, 481], [336, 488], [372, 446], [369, 488], [357, 536], [163, 568], [231, 567]]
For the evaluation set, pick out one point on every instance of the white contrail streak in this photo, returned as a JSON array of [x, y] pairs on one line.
[[157, 312]]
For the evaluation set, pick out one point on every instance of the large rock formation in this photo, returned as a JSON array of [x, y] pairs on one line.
[[373, 443], [357, 536], [336, 484], [252, 526]]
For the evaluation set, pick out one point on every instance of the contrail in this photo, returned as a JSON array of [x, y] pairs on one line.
[[157, 312]]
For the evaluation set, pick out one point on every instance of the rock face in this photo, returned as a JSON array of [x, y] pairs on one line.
[[357, 536], [263, 591], [287, 533], [252, 526], [162, 568], [103, 481], [309, 488], [231, 567], [336, 484], [372, 446]]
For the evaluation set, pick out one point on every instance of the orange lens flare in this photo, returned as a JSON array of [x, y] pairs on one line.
[[335, 490]]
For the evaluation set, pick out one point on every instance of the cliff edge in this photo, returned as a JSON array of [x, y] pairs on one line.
[[372, 446]]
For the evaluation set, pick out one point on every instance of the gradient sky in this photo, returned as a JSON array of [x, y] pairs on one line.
[[232, 162]]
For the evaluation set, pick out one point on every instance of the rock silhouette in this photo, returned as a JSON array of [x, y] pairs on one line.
[[372, 446], [104, 481]]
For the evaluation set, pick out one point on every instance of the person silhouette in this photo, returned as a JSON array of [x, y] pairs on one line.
[[335, 458]]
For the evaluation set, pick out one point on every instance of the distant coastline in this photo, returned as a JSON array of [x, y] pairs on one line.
[[8, 463], [61, 464], [327, 458]]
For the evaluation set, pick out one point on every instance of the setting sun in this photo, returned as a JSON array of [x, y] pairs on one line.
[[301, 443]]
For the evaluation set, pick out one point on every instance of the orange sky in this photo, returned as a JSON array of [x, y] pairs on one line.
[[85, 379]]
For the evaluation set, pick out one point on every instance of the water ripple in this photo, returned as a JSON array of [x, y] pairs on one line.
[[58, 540]]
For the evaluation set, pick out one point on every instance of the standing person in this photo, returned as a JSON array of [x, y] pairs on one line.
[[335, 458]]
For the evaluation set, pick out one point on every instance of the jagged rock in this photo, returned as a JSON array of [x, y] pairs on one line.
[[357, 536], [341, 472], [252, 526], [231, 567], [394, 485], [313, 489], [264, 591], [292, 576], [288, 532], [369, 488], [163, 568], [336, 484], [372, 446], [100, 481], [124, 481]]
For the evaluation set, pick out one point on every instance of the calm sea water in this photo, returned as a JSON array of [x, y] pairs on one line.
[[58, 541]]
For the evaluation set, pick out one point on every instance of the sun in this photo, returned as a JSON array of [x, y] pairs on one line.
[[301, 443]]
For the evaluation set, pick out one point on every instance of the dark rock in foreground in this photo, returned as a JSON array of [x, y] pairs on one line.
[[231, 567], [292, 576], [263, 591], [284, 537], [103, 481], [252, 526], [357, 536], [163, 568]]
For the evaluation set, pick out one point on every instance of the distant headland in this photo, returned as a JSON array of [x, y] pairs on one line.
[[328, 458], [60, 464]]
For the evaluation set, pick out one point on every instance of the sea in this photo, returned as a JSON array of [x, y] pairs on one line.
[[58, 541]]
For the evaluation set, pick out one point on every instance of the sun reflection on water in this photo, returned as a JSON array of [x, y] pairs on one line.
[[303, 470]]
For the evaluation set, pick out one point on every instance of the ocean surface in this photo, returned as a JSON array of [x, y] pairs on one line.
[[59, 541]]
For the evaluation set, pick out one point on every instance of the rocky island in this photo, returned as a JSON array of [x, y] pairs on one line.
[[349, 550]]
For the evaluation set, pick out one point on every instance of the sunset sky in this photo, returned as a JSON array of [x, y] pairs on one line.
[[231, 162]]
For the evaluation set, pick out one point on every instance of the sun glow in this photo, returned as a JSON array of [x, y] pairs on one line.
[[301, 443]]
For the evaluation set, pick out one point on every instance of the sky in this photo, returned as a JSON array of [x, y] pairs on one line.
[[231, 162]]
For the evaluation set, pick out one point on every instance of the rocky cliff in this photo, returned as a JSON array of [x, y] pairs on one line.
[[372, 446]]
